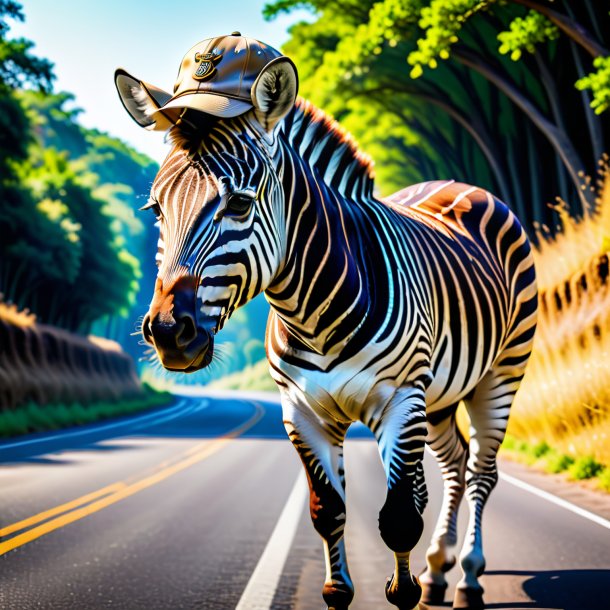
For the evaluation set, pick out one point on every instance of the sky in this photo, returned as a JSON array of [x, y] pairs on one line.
[[87, 40]]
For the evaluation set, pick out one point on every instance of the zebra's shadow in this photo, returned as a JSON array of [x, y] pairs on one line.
[[560, 589]]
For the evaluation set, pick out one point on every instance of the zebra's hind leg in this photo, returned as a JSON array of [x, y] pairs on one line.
[[450, 450], [401, 434], [320, 447], [488, 409]]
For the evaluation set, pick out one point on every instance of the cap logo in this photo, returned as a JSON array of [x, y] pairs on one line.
[[206, 67]]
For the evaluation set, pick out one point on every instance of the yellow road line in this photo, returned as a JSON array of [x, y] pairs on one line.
[[121, 491], [62, 508]]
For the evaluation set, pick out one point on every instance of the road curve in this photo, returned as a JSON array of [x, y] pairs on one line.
[[203, 505]]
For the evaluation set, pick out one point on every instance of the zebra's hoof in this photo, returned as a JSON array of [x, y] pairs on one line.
[[337, 597], [406, 597], [468, 599], [433, 594]]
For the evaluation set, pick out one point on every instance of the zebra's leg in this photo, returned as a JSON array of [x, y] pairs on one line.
[[320, 447], [488, 409], [450, 450], [401, 435]]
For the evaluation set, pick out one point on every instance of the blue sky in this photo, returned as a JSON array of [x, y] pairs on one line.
[[88, 40]]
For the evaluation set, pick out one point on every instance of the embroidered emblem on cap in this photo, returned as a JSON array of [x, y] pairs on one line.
[[206, 67]]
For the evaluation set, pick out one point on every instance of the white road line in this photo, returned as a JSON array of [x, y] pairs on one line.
[[260, 590], [165, 415], [556, 500]]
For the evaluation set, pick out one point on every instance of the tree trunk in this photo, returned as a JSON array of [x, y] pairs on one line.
[[558, 138]]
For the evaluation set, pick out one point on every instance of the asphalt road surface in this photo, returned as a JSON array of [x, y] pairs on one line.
[[202, 505]]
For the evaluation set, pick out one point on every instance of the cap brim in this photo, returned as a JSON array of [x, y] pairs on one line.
[[210, 103], [157, 110]]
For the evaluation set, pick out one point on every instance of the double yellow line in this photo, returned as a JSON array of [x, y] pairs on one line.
[[59, 516]]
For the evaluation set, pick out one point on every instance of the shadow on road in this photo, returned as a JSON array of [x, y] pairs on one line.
[[562, 589]]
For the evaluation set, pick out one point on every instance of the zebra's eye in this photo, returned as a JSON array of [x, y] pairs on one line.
[[239, 203]]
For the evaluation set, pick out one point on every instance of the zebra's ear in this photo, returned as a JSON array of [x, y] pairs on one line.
[[274, 92], [142, 101]]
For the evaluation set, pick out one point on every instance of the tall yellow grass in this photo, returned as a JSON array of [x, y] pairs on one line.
[[10, 313], [565, 395]]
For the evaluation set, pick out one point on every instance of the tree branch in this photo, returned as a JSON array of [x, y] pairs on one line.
[[557, 137]]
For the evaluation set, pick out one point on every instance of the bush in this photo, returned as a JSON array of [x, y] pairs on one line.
[[584, 468], [559, 463], [604, 479], [541, 449]]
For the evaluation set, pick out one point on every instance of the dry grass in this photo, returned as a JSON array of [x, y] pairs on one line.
[[565, 396], [11, 314]]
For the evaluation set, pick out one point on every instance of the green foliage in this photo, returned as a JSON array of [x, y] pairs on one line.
[[559, 463], [18, 66], [584, 468], [514, 127], [254, 378], [80, 291], [599, 84], [603, 479], [71, 243], [441, 21], [541, 449], [39, 418], [254, 350], [525, 33]]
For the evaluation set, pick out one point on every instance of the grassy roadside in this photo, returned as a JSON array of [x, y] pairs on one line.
[[254, 377], [39, 418], [548, 459]]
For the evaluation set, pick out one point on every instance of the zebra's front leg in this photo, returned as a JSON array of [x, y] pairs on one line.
[[320, 447], [450, 450], [401, 435]]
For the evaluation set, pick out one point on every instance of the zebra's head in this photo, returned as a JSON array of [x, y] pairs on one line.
[[219, 204]]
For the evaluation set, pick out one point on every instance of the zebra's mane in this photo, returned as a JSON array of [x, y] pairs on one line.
[[329, 149], [318, 138]]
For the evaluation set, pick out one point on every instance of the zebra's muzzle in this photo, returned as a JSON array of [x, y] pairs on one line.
[[172, 327], [181, 346]]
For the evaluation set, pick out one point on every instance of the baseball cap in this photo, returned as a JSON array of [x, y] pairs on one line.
[[216, 76]]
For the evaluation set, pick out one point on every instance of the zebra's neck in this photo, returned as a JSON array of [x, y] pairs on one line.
[[330, 151], [322, 293]]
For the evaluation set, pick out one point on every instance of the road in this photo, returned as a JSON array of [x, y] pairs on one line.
[[202, 505]]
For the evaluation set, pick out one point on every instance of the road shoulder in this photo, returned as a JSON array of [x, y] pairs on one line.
[[597, 502]]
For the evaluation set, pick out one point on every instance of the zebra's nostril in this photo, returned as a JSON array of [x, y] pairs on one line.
[[146, 330], [188, 330]]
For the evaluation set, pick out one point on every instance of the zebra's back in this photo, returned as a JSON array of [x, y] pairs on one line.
[[480, 267]]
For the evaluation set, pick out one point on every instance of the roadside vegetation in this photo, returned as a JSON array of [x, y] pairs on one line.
[[253, 377], [542, 456], [40, 418], [74, 250], [565, 397]]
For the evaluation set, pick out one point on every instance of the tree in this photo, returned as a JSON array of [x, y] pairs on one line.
[[485, 89], [68, 239]]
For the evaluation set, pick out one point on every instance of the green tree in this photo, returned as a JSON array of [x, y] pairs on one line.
[[485, 89], [102, 278], [69, 231]]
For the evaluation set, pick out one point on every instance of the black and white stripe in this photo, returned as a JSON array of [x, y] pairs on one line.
[[389, 312]]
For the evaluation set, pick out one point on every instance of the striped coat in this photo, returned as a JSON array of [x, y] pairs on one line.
[[388, 312]]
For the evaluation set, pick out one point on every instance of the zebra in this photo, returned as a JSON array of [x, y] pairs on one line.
[[384, 311]]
